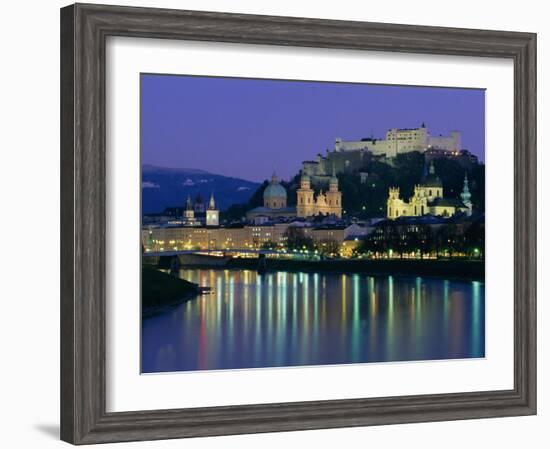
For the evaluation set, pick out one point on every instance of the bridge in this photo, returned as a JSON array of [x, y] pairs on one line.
[[214, 257]]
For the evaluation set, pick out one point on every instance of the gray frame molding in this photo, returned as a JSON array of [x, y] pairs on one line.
[[83, 31]]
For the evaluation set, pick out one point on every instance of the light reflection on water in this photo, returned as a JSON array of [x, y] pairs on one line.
[[289, 319]]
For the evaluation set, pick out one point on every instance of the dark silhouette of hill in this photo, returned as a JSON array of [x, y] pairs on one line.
[[163, 187]]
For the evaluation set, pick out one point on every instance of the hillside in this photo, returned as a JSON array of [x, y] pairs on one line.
[[369, 199], [168, 187]]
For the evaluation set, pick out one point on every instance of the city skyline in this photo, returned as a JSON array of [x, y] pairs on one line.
[[247, 128]]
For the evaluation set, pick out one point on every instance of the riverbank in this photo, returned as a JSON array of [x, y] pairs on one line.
[[450, 269], [459, 269], [160, 291]]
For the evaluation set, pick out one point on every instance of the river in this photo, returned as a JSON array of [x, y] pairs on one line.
[[293, 319]]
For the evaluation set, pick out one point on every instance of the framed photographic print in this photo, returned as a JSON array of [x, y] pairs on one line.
[[274, 223]]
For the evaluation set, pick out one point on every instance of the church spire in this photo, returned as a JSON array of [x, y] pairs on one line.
[[189, 203], [466, 195], [431, 170], [212, 202]]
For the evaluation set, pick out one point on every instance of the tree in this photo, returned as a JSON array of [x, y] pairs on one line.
[[427, 241], [296, 239], [328, 247], [474, 240]]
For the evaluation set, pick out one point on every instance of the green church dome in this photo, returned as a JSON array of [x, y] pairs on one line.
[[274, 190]]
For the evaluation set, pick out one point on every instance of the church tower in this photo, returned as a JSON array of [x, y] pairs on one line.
[[199, 204], [189, 213], [419, 202], [466, 195], [333, 196], [212, 213], [393, 203], [305, 203]]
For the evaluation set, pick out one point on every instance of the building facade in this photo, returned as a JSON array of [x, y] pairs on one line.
[[402, 140], [428, 199], [247, 237], [308, 205], [212, 213]]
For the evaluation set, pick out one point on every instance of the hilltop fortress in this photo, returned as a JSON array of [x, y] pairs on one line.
[[353, 156]]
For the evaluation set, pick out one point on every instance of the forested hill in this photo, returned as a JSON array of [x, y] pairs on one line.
[[368, 199], [407, 171]]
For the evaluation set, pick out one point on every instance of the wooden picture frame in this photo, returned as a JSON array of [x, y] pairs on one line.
[[84, 29]]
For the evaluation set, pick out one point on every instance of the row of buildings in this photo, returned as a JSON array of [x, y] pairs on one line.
[[244, 237], [343, 237]]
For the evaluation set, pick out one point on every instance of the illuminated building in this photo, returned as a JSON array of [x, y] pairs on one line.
[[428, 199], [329, 203]]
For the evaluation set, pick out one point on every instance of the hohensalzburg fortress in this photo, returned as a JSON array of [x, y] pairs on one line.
[[350, 156], [403, 141]]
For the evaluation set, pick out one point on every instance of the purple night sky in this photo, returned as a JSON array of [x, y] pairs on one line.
[[247, 128]]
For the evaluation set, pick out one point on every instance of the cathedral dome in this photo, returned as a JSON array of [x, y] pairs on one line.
[[275, 194], [274, 190]]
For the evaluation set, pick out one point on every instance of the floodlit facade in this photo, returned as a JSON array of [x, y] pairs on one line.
[[403, 140], [428, 199], [329, 203]]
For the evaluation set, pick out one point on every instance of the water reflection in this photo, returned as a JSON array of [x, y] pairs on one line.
[[285, 319]]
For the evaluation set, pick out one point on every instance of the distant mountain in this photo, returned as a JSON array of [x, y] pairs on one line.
[[163, 187]]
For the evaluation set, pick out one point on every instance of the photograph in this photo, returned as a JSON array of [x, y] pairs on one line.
[[291, 223]]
